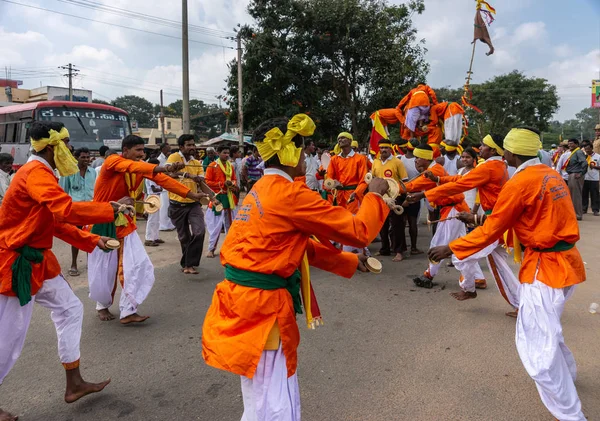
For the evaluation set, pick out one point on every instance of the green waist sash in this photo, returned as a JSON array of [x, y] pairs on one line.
[[21, 272], [108, 229], [268, 282], [224, 199], [346, 188], [560, 246], [488, 212]]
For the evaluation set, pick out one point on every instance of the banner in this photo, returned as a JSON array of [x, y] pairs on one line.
[[595, 93]]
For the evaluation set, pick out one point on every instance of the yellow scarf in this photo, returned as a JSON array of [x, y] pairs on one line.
[[65, 162], [564, 167], [227, 170]]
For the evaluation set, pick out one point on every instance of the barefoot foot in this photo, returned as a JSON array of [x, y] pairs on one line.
[[463, 295], [512, 314], [78, 391], [134, 318], [105, 315], [398, 257], [6, 416], [190, 271], [210, 254]]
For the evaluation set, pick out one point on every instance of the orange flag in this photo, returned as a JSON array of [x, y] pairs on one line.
[[377, 133]]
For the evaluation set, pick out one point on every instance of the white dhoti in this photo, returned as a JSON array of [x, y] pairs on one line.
[[153, 225], [165, 221], [271, 395], [214, 223], [542, 348], [446, 232], [66, 313], [506, 281], [130, 265]]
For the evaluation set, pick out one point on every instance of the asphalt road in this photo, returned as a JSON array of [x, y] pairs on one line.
[[388, 351]]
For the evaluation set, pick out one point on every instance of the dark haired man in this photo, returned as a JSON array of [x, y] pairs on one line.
[[576, 167], [220, 177], [592, 180], [80, 186], [535, 205], [250, 328], [6, 173], [100, 160], [122, 176], [185, 213], [29, 271]]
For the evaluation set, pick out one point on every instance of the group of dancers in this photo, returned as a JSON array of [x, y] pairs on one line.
[[280, 229]]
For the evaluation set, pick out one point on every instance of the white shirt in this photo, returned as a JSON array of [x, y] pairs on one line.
[[312, 166], [277, 171], [4, 183], [162, 158], [350, 154], [593, 175], [561, 162], [149, 185], [450, 165], [529, 163], [409, 164], [470, 195]]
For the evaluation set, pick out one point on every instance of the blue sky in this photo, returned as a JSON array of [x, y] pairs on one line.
[[557, 40]]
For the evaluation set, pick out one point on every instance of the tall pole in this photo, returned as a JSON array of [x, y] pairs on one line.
[[239, 75], [162, 120], [186, 65], [70, 82]]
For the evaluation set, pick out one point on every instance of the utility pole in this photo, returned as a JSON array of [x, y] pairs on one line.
[[186, 70], [239, 75], [162, 120], [72, 72]]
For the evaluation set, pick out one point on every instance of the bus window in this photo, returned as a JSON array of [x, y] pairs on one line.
[[10, 133]]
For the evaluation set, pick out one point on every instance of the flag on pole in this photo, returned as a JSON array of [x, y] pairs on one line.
[[377, 133], [481, 31]]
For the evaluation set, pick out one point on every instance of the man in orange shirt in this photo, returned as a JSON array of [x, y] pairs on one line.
[[348, 168], [535, 204], [121, 176], [489, 178], [450, 206], [36, 209], [220, 177], [250, 328]]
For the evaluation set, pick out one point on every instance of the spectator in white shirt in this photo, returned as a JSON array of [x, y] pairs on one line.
[[6, 162], [312, 165], [591, 183]]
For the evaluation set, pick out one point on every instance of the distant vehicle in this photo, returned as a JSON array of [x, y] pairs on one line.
[[90, 125]]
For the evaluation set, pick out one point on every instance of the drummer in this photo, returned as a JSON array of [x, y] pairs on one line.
[[388, 166]]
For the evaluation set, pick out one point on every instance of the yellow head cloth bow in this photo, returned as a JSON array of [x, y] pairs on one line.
[[276, 142], [354, 144], [489, 141], [65, 162], [522, 142]]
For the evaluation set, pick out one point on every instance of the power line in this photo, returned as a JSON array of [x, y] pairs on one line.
[[147, 18], [114, 24]]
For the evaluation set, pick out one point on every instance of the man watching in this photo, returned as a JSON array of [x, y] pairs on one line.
[[576, 166], [592, 180], [6, 171]]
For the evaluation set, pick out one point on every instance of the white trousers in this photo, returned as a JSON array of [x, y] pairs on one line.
[[153, 225], [165, 221], [446, 232], [506, 281], [271, 395], [131, 265], [542, 348], [214, 223], [66, 313]]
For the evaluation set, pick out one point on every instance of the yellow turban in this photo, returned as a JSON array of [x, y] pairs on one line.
[[275, 142], [423, 154], [452, 148], [522, 142], [65, 162], [354, 144], [489, 141], [346, 135]]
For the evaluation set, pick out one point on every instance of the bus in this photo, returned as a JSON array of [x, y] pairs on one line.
[[90, 125]]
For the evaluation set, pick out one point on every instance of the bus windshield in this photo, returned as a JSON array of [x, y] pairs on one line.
[[90, 128]]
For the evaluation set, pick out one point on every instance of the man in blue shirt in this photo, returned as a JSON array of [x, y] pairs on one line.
[[80, 186]]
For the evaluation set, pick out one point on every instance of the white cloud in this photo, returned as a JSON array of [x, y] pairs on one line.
[[503, 60], [529, 31], [562, 50], [16, 48]]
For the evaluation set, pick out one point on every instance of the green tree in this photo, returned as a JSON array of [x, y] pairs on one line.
[[339, 61], [205, 119], [139, 109]]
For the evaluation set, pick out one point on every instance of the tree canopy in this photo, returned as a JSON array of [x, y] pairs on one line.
[[337, 61], [139, 109]]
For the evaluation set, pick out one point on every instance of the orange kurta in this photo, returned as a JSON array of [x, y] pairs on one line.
[[445, 202], [112, 186], [536, 204], [349, 171], [488, 178], [270, 235], [216, 178], [36, 209]]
